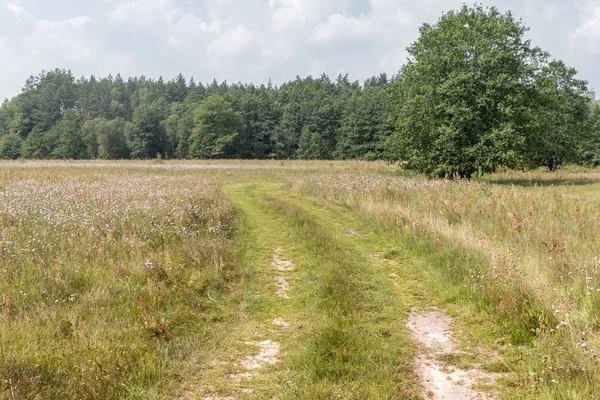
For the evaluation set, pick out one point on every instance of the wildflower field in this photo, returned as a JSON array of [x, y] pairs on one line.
[[185, 280], [105, 279]]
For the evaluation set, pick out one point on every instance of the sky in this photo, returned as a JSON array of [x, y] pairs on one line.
[[253, 41]]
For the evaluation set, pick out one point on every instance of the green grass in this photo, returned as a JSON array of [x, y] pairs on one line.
[[111, 284], [357, 346], [154, 281], [348, 335], [517, 264]]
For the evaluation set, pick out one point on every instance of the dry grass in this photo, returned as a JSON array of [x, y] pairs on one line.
[[113, 275], [541, 273], [105, 280], [207, 165]]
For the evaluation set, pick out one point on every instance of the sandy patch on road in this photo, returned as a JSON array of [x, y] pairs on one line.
[[282, 267], [267, 354], [283, 287], [279, 264], [433, 331]]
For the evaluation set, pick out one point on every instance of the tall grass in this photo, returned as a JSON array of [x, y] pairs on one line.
[[527, 256], [107, 280]]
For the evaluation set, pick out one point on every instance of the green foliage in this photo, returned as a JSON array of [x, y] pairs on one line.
[[287, 133], [171, 128], [10, 119], [36, 146], [313, 103], [70, 139], [185, 124], [366, 123], [106, 139], [589, 150], [312, 146], [476, 95], [561, 115], [217, 129], [158, 159], [176, 90], [259, 114], [145, 133], [10, 147]]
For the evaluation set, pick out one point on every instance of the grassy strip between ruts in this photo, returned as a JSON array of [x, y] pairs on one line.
[[356, 344]]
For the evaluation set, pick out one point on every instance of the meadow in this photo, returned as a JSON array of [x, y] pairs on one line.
[[214, 280], [521, 249], [106, 279]]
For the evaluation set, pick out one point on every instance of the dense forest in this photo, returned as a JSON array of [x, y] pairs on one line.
[[57, 116], [474, 96]]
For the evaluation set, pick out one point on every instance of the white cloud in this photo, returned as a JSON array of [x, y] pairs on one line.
[[78, 21], [144, 12], [286, 13], [390, 13], [289, 14], [6, 53], [233, 42], [63, 39], [18, 10], [278, 49], [340, 26], [189, 31], [382, 33], [587, 36]]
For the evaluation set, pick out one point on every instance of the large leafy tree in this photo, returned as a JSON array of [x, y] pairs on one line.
[[69, 139], [10, 117], [44, 100], [589, 149], [217, 129], [106, 139], [37, 145], [465, 100], [10, 146], [146, 135]]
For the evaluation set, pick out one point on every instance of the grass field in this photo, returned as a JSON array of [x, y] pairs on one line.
[[219, 280]]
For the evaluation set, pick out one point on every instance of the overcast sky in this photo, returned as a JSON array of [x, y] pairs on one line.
[[254, 40]]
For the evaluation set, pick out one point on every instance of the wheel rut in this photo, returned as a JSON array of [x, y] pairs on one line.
[[433, 331], [259, 354], [247, 364]]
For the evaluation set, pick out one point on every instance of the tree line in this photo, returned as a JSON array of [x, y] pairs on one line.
[[58, 116], [474, 96]]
